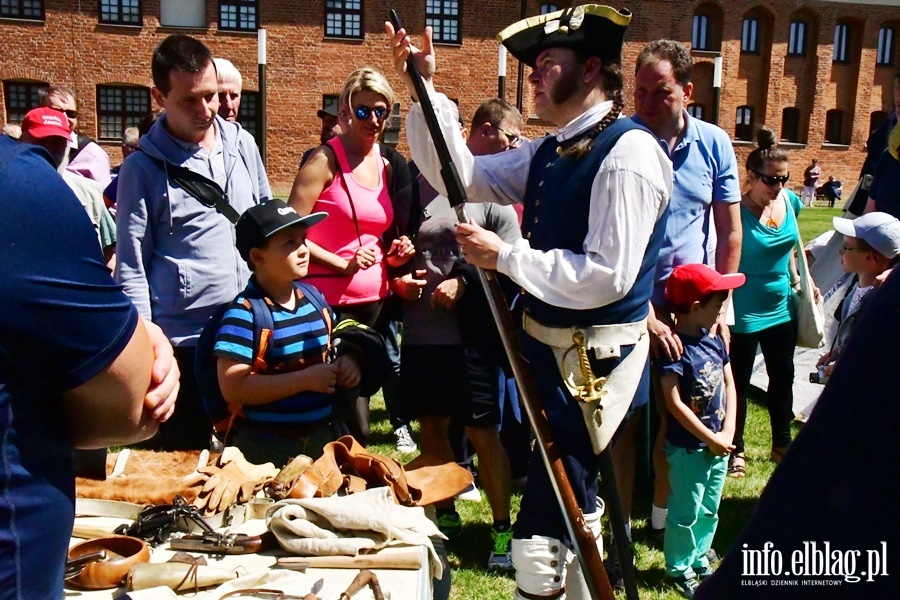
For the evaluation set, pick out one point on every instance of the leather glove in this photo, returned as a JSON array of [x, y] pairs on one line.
[[232, 480]]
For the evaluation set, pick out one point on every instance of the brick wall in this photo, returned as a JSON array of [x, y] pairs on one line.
[[70, 47]]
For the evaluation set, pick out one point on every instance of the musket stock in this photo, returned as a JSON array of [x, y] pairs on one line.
[[583, 540]]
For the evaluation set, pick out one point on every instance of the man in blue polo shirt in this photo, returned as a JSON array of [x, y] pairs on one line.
[[704, 212], [78, 367]]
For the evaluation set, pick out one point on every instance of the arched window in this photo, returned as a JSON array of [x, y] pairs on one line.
[[120, 107], [834, 122], [743, 128], [841, 43], [696, 111], [797, 40], [876, 119], [700, 38], [885, 55], [750, 36], [21, 96], [790, 124]]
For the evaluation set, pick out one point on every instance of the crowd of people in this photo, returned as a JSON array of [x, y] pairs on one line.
[[635, 234]]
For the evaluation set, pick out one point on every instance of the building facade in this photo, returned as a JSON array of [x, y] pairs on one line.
[[818, 72]]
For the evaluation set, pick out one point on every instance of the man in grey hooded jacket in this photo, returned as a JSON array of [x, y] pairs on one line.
[[177, 259]]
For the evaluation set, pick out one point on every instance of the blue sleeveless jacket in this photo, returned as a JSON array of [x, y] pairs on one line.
[[557, 204]]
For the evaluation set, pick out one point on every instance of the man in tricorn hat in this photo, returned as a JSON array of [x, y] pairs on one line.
[[595, 201]]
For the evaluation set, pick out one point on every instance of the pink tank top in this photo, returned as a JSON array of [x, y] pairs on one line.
[[354, 220]]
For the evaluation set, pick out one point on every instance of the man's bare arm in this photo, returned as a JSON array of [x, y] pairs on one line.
[[729, 234], [109, 408]]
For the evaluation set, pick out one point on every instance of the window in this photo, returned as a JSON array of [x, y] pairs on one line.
[[22, 9], [700, 35], [841, 33], [443, 16], [548, 8], [885, 54], [120, 12], [182, 13], [248, 115], [834, 121], [696, 111], [237, 15], [330, 100], [743, 129], [749, 38], [21, 96], [790, 125], [797, 40], [876, 119], [343, 18], [120, 107]]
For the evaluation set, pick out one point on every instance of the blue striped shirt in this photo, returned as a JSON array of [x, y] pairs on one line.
[[300, 339]]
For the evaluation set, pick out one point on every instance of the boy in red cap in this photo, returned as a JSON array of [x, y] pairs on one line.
[[701, 400]]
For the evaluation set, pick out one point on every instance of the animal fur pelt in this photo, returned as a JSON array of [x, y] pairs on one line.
[[148, 478]]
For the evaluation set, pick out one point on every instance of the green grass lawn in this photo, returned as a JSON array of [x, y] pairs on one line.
[[469, 551]]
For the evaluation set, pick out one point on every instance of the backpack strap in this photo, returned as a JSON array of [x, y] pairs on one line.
[[263, 330], [318, 301]]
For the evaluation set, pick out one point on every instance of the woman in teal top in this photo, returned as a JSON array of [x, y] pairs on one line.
[[763, 307]]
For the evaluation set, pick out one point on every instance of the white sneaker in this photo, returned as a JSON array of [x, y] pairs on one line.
[[405, 442], [470, 494]]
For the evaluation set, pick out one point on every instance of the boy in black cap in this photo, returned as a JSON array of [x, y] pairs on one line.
[[595, 201], [283, 389]]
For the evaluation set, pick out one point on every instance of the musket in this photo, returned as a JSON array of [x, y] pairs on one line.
[[583, 541]]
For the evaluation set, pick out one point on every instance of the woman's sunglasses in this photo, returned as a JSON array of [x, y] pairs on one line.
[[363, 112], [772, 179]]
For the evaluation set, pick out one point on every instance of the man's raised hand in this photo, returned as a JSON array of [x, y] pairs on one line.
[[401, 48]]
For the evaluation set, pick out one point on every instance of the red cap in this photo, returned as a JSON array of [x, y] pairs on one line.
[[46, 122], [691, 283]]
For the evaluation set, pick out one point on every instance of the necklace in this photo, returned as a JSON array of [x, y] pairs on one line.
[[770, 222]]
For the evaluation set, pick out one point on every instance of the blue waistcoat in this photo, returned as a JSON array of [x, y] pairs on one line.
[[557, 204]]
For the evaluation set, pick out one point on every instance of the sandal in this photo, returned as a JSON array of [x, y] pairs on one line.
[[737, 465], [777, 454]]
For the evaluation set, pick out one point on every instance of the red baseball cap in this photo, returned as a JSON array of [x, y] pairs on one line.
[[46, 122], [691, 283]]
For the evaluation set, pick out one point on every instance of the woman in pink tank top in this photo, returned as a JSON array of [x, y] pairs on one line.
[[349, 179]]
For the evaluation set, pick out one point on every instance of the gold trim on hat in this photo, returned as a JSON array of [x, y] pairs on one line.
[[607, 12]]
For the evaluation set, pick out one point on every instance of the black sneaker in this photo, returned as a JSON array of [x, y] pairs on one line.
[[686, 585], [704, 572], [614, 569], [655, 537]]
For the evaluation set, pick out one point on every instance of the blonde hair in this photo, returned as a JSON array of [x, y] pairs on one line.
[[367, 79]]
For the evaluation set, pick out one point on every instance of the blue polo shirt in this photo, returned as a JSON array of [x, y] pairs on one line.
[[705, 172], [63, 321]]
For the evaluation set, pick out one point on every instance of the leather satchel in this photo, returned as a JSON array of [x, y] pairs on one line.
[[810, 310], [346, 467]]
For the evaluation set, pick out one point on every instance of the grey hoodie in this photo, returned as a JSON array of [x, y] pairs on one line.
[[176, 257]]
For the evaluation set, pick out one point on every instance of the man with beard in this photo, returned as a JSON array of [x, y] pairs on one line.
[[595, 197], [48, 128], [177, 259], [86, 157]]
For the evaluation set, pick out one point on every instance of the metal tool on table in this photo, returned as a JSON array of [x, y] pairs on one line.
[[267, 594], [74, 566], [155, 524], [214, 542]]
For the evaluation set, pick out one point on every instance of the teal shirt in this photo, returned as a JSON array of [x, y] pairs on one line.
[[766, 299]]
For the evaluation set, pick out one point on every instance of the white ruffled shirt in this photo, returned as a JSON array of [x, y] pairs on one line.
[[629, 194]]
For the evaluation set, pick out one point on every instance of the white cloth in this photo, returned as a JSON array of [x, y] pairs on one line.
[[629, 193], [347, 525]]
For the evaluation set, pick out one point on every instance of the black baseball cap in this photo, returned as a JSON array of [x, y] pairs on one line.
[[260, 222]]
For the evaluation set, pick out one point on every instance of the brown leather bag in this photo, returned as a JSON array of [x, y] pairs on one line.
[[345, 466]]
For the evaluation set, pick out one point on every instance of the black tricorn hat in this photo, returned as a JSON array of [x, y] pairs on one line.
[[591, 29]]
